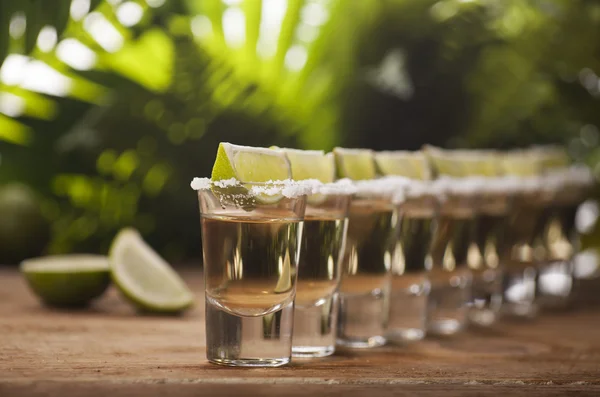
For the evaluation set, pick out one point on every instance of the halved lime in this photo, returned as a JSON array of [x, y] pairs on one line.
[[355, 164], [251, 165], [403, 163], [67, 280], [144, 277]]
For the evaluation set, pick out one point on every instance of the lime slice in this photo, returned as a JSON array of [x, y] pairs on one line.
[[521, 163], [442, 162], [67, 280], [355, 164], [144, 277], [311, 164], [477, 162], [403, 163], [551, 157], [251, 165]]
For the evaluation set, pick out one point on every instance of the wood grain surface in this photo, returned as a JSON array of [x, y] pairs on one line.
[[110, 350]]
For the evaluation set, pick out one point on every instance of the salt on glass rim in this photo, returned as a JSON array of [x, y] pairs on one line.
[[287, 188], [387, 187], [341, 187]]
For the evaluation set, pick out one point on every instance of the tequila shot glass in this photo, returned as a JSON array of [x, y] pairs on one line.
[[493, 207], [525, 247], [316, 307], [251, 241], [570, 187], [417, 212], [449, 275], [366, 277]]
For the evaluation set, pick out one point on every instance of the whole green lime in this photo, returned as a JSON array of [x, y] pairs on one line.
[[24, 232]]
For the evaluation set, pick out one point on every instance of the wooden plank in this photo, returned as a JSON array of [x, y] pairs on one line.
[[111, 350]]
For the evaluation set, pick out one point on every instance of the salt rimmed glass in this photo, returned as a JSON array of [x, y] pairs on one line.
[[493, 209], [556, 281], [366, 265], [417, 212], [251, 240], [525, 247], [317, 302], [452, 242]]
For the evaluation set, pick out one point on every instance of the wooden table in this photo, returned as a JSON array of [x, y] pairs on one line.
[[109, 350]]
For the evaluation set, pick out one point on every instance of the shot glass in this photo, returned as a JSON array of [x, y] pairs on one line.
[[251, 240], [366, 277], [410, 284], [493, 207], [556, 280], [316, 307], [525, 248], [449, 275]]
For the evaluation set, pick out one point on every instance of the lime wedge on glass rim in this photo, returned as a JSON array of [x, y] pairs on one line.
[[443, 162], [311, 164], [250, 165], [521, 163], [484, 163], [411, 165], [145, 278], [355, 164], [67, 280], [551, 157]]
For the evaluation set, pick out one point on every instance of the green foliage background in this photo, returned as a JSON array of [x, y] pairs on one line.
[[120, 147]]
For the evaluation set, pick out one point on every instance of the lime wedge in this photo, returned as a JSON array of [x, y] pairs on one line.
[[67, 280], [144, 277], [311, 164], [251, 165], [356, 164], [442, 162], [551, 157], [477, 162], [521, 163], [402, 163]]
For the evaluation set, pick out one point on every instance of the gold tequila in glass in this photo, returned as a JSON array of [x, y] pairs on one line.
[[316, 308], [449, 276], [493, 206], [251, 245], [410, 284], [525, 248], [366, 277], [556, 274]]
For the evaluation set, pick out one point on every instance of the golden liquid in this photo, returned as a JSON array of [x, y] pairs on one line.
[[319, 266], [250, 263]]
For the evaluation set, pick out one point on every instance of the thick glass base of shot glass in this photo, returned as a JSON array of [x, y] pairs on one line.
[[447, 312], [362, 320], [315, 328], [555, 285], [258, 341], [520, 292], [408, 309], [486, 298]]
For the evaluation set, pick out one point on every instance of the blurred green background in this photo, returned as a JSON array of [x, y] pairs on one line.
[[108, 108]]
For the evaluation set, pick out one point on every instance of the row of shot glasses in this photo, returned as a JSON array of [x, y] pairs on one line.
[[300, 268]]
